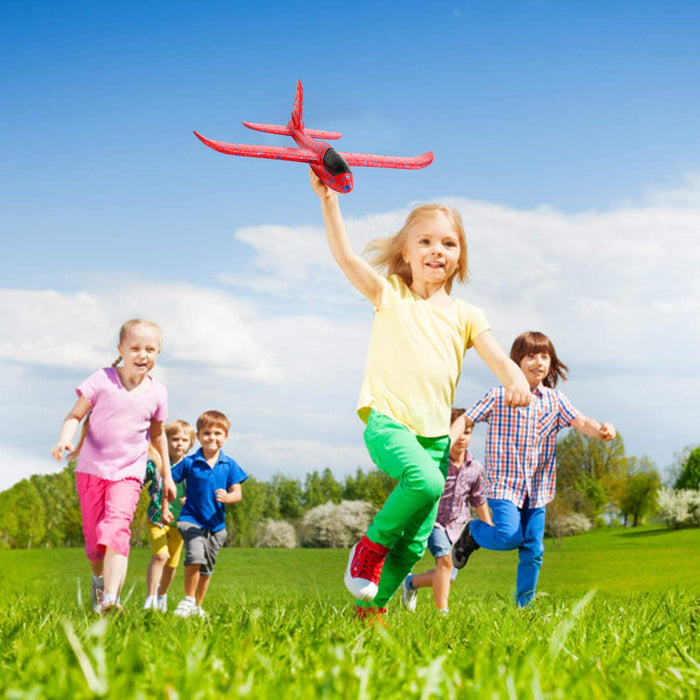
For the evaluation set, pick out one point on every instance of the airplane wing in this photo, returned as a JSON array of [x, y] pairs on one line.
[[299, 155], [373, 161]]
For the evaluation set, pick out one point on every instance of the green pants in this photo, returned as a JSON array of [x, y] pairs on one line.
[[406, 520]]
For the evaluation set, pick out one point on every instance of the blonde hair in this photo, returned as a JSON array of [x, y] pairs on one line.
[[213, 418], [129, 325], [386, 254], [183, 425]]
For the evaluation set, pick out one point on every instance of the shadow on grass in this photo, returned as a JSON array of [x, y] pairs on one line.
[[647, 533]]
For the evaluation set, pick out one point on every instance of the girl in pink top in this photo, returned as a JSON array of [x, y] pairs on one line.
[[127, 409]]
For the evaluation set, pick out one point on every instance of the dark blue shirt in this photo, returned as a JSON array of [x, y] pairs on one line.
[[202, 482]]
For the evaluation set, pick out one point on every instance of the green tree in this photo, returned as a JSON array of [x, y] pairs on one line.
[[29, 510], [373, 487], [591, 474], [321, 488], [641, 492], [63, 519], [289, 497], [313, 490], [689, 477], [243, 519]]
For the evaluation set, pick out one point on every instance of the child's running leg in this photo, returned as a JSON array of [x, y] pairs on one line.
[[419, 465], [114, 533], [403, 556], [530, 554], [408, 516], [91, 497], [506, 532], [202, 588]]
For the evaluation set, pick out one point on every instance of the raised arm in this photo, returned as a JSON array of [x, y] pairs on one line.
[[517, 389], [361, 274], [70, 424], [593, 429]]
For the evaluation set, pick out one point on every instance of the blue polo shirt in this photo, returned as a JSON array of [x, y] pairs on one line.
[[202, 482]]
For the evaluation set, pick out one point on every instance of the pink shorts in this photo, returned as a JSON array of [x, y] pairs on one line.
[[107, 508]]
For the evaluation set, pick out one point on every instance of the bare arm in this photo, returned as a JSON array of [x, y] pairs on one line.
[[233, 495], [458, 427], [484, 513], [517, 389], [593, 429], [361, 274], [160, 442], [70, 425]]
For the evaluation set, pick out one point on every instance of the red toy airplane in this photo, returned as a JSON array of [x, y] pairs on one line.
[[330, 166]]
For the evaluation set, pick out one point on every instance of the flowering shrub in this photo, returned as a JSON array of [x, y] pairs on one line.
[[335, 525], [563, 524], [277, 533], [575, 524], [679, 508]]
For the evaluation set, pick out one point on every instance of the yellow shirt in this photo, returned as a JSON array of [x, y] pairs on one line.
[[415, 358]]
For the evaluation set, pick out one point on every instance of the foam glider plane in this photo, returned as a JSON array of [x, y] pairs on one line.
[[332, 167]]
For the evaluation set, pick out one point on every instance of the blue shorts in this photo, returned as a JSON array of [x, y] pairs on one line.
[[440, 546]]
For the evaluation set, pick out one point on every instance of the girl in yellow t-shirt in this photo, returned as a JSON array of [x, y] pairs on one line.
[[419, 337]]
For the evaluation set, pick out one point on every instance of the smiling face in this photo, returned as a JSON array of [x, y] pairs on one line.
[[212, 438], [139, 349], [535, 367], [432, 250]]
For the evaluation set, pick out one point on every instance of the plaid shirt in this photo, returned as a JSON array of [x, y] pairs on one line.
[[521, 444], [155, 493], [464, 487]]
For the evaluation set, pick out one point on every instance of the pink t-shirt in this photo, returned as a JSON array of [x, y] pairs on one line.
[[116, 445]]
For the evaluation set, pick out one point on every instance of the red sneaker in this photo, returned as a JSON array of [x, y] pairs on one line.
[[364, 569]]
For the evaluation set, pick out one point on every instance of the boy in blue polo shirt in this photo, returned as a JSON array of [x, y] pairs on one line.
[[211, 481]]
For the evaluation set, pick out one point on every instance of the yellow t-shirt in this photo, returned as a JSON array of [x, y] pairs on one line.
[[415, 358]]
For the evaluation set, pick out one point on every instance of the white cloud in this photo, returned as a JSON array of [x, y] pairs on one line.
[[20, 463]]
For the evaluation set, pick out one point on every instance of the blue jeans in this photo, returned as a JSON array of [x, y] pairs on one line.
[[515, 528]]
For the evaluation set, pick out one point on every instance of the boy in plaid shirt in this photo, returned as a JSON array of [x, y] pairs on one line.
[[464, 487], [520, 461]]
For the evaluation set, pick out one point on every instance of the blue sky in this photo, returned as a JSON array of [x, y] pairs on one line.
[[565, 132]]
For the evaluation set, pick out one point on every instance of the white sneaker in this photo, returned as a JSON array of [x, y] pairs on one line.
[[185, 608], [199, 612], [151, 603], [96, 594], [409, 596], [110, 604], [162, 603]]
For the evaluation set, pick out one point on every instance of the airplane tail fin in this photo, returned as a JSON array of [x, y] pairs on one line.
[[298, 109]]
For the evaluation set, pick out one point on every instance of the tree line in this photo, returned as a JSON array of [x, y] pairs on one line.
[[597, 484], [44, 511]]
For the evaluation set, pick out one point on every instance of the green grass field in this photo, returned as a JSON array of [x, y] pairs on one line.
[[618, 615]]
